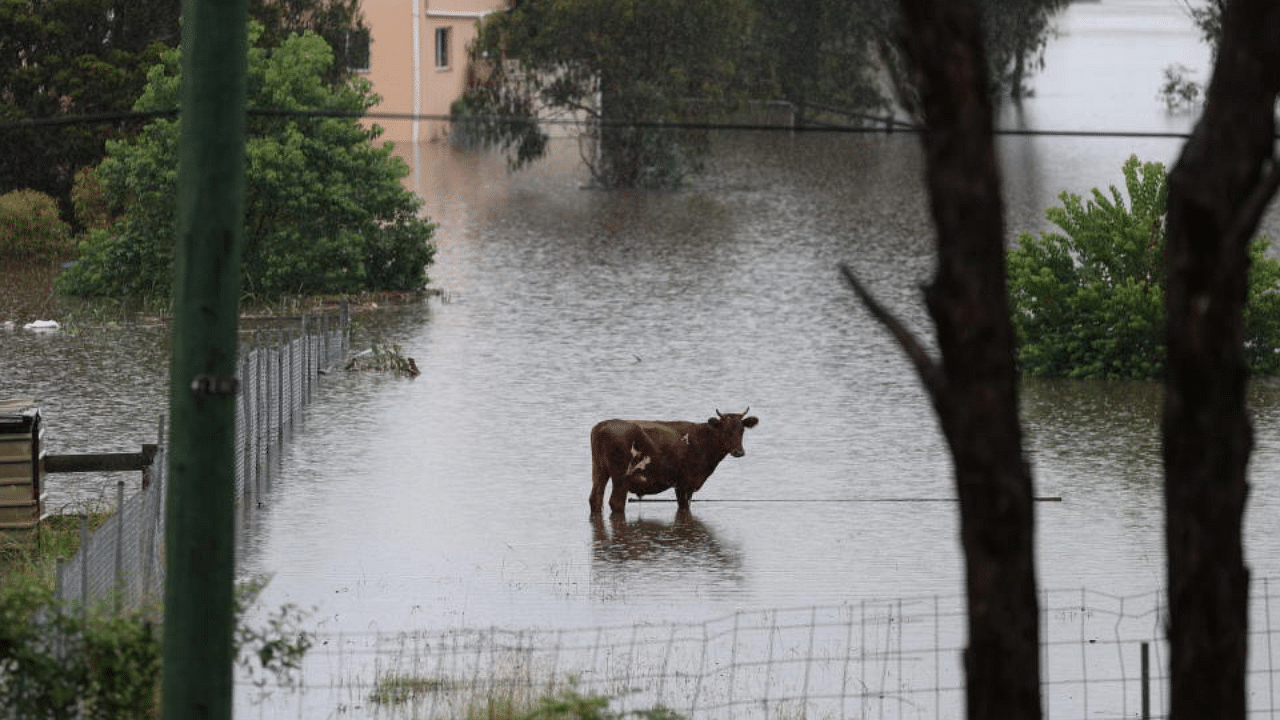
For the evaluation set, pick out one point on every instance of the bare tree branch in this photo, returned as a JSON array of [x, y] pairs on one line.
[[926, 368]]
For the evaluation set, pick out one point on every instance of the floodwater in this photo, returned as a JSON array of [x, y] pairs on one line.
[[459, 499]]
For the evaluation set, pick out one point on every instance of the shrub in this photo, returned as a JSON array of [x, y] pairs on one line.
[[62, 664], [89, 200], [30, 227], [325, 210], [1089, 303]]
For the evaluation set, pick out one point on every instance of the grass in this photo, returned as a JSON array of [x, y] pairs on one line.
[[33, 554], [496, 700], [395, 689]]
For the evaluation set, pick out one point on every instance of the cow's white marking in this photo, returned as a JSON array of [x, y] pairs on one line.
[[639, 464], [685, 438]]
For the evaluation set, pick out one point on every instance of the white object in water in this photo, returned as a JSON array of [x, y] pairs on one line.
[[41, 325]]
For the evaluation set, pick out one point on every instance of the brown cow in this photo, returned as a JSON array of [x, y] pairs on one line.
[[650, 456]]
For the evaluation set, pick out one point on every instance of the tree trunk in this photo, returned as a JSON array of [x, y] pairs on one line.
[[974, 391], [1217, 193]]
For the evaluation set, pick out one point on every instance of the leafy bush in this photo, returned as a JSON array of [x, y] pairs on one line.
[[30, 227], [89, 199], [1089, 303], [60, 663], [54, 663], [325, 210]]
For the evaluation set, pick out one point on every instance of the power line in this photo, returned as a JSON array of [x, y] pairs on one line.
[[885, 125]]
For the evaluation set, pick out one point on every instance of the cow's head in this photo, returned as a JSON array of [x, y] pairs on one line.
[[728, 430]]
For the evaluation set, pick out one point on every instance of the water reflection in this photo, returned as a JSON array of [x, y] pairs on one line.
[[628, 554], [1108, 431]]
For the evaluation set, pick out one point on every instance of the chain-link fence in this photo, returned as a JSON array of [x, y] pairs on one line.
[[122, 562]]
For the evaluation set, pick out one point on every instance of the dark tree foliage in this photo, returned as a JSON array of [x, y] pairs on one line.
[[63, 58], [1015, 32], [339, 22], [974, 388], [1223, 181], [625, 67], [70, 58], [632, 66], [817, 57]]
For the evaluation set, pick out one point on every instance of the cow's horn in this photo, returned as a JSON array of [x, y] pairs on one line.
[[718, 413], [744, 412]]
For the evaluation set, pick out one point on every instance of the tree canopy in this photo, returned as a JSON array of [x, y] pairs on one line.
[[68, 58], [626, 66], [326, 211], [1090, 302], [630, 67]]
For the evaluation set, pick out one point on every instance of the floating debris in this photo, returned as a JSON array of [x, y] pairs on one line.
[[42, 325], [385, 357]]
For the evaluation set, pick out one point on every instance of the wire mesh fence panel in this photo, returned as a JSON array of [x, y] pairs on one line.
[[122, 563], [896, 658]]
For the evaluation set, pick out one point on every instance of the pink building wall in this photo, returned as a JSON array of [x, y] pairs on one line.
[[418, 60]]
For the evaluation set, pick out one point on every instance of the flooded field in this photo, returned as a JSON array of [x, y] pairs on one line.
[[458, 500]]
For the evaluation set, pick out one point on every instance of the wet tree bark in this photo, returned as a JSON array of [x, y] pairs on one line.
[[974, 389], [1218, 190]]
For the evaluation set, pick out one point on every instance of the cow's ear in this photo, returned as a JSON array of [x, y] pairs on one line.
[[750, 421], [713, 422]]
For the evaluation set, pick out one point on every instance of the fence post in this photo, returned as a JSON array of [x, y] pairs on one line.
[[59, 583], [245, 423], [280, 385], [84, 564], [261, 457], [1146, 681], [346, 326], [119, 577], [324, 340], [305, 337]]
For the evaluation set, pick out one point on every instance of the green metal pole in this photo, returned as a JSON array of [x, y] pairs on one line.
[[199, 616]]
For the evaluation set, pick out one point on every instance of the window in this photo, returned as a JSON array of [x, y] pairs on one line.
[[357, 50], [442, 48]]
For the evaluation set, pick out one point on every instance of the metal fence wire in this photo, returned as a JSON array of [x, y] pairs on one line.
[[121, 564], [1102, 656]]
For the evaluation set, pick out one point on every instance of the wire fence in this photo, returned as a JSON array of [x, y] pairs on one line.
[[122, 563], [1102, 656]]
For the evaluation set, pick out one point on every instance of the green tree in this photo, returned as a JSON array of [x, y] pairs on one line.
[[1016, 34], [326, 211], [625, 66], [629, 67], [819, 56], [339, 22], [67, 58], [63, 58], [1090, 302]]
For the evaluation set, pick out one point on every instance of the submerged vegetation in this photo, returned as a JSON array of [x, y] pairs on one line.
[[387, 357], [1089, 302], [519, 701]]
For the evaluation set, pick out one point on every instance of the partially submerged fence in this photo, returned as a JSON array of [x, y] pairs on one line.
[[1102, 656], [122, 563]]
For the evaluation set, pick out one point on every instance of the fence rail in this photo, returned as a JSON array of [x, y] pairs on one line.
[[122, 563], [1102, 656]]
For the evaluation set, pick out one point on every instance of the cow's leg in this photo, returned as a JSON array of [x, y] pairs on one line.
[[599, 478], [618, 500], [683, 496]]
